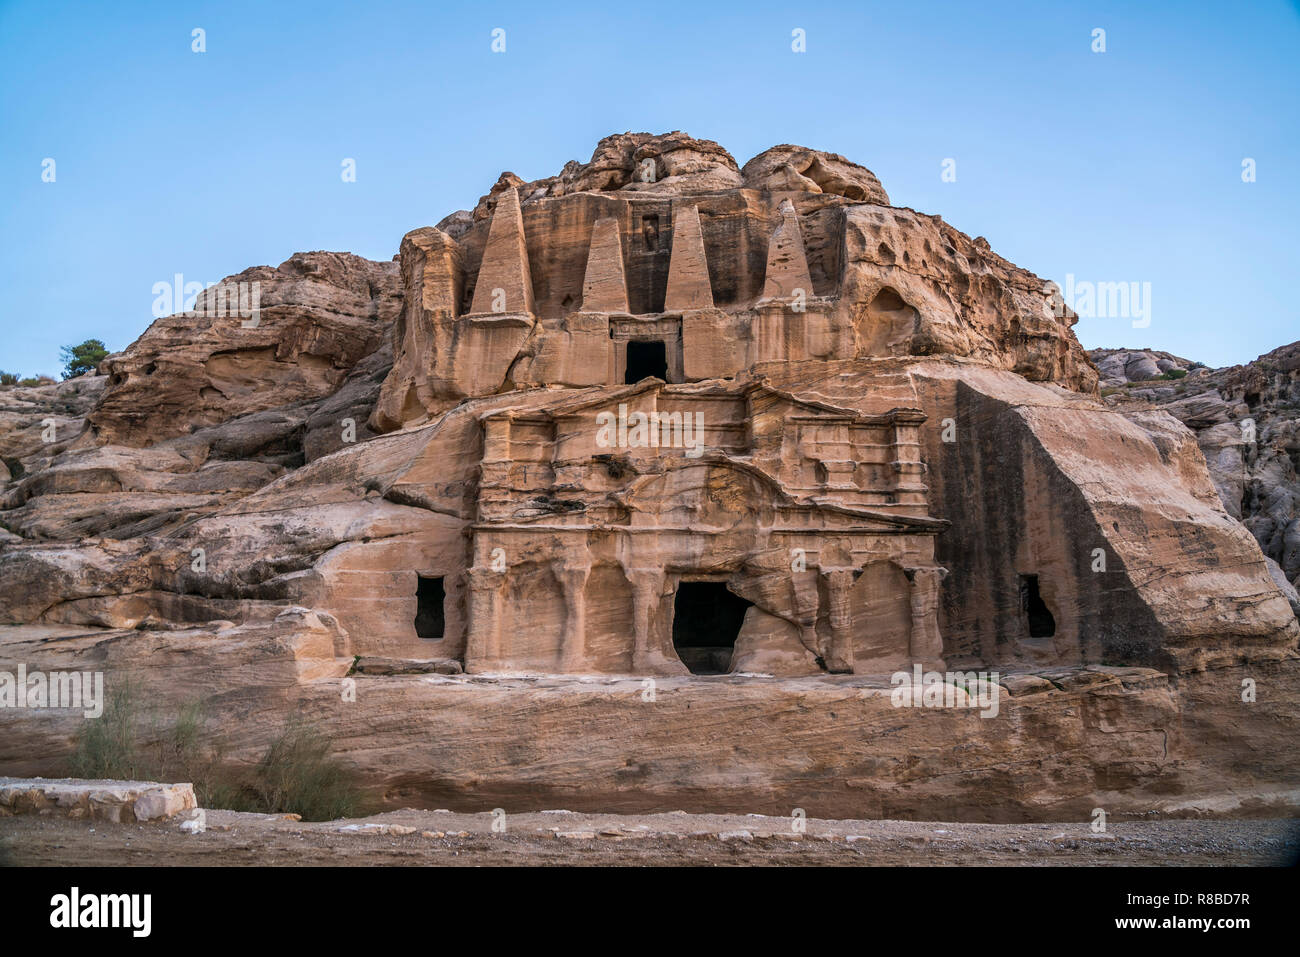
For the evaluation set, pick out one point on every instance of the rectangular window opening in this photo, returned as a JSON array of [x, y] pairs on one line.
[[646, 358], [430, 621]]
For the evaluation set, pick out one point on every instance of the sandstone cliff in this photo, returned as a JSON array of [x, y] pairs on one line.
[[240, 508]]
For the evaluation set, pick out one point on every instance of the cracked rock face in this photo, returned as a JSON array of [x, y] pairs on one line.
[[1247, 423]]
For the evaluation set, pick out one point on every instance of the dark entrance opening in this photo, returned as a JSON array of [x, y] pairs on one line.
[[706, 620], [645, 359], [429, 594], [1041, 622]]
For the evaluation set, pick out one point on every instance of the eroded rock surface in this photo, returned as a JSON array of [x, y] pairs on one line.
[[1063, 741], [320, 314], [1247, 423]]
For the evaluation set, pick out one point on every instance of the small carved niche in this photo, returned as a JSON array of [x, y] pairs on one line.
[[650, 233]]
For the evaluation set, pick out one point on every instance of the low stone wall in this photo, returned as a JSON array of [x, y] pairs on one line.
[[118, 801]]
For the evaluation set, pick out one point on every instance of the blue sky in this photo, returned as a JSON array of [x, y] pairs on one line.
[[1122, 166]]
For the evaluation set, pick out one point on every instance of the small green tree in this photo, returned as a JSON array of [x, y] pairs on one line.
[[82, 358], [8, 378]]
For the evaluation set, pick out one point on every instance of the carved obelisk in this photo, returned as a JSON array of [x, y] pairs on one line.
[[505, 285], [688, 270], [787, 265], [605, 287]]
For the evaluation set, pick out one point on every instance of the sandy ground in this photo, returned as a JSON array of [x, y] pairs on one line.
[[562, 837]]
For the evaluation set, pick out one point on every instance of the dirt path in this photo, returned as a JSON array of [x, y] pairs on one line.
[[561, 837]]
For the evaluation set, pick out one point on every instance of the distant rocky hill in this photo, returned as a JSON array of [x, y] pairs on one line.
[[1247, 422]]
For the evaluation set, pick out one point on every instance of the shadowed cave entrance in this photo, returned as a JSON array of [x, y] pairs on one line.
[[706, 620], [1041, 622], [646, 359], [429, 595]]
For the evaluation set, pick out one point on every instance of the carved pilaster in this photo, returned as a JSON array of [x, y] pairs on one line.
[[648, 655], [926, 646], [839, 649], [573, 582], [483, 630], [806, 604]]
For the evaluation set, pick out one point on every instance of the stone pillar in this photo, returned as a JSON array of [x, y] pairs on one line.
[[807, 602], [483, 630], [787, 266], [839, 649], [927, 643], [572, 577]]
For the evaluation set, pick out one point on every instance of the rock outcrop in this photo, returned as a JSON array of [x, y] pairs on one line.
[[1247, 423], [202, 409], [1133, 741], [319, 315], [38, 422], [880, 280]]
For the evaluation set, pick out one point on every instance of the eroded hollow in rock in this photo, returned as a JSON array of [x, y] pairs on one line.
[[1041, 622], [889, 324], [706, 620], [429, 619], [646, 359]]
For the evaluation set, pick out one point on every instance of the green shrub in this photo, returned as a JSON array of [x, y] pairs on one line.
[[1174, 374], [296, 775], [107, 747], [299, 775], [8, 378]]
